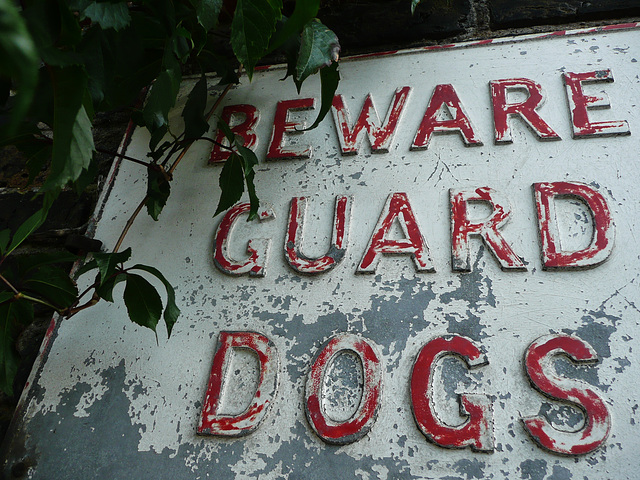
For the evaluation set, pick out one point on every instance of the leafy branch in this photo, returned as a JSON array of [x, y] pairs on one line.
[[64, 61]]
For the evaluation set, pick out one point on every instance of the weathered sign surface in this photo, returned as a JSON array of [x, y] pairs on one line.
[[443, 283]]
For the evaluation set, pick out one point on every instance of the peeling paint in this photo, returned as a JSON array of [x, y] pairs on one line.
[[110, 402]]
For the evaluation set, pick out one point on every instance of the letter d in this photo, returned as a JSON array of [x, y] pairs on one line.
[[213, 423]]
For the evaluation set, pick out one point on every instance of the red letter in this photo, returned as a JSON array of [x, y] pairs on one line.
[[211, 423], [380, 137], [356, 427], [257, 249], [444, 95], [539, 364], [282, 126], [603, 227], [462, 227], [244, 129], [579, 103], [477, 431], [301, 263], [526, 109], [396, 208]]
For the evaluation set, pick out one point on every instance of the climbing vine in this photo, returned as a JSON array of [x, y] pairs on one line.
[[64, 61]]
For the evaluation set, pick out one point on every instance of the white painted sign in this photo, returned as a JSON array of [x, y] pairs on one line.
[[442, 283]]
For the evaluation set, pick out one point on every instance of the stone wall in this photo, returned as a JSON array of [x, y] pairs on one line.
[[370, 25]]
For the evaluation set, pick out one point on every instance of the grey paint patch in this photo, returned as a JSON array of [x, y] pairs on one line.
[[560, 473], [113, 440], [562, 416], [598, 335], [311, 336], [57, 449], [470, 468], [472, 283], [324, 465], [343, 385], [476, 291], [533, 470], [399, 317]]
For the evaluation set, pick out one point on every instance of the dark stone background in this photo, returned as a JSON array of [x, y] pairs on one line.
[[362, 26]]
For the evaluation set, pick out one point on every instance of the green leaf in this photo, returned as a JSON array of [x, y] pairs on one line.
[[5, 236], [414, 4], [182, 43], [106, 290], [253, 24], [87, 177], [231, 183], [291, 49], [172, 311], [77, 146], [158, 153], [39, 260], [158, 190], [129, 62], [212, 62], [226, 129], [8, 356], [195, 124], [55, 31], [163, 93], [156, 137], [91, 52], [253, 197], [42, 104], [207, 12], [53, 285], [38, 154], [43, 22], [73, 140], [27, 228], [4, 296], [161, 99], [304, 11], [109, 15], [249, 160], [18, 59], [12, 314], [329, 79], [79, 5], [142, 301], [107, 263], [319, 48], [87, 267], [70, 32]]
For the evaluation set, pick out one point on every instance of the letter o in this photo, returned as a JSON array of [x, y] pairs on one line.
[[359, 424]]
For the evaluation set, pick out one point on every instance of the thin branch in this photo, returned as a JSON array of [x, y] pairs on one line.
[[9, 284], [169, 172], [70, 312], [226, 147], [209, 115], [126, 228], [27, 297], [86, 290], [174, 148], [41, 302], [125, 157]]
